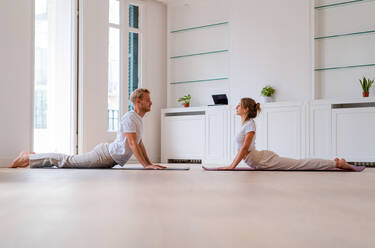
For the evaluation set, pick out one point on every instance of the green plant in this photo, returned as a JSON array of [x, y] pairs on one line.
[[186, 99], [366, 84], [267, 91]]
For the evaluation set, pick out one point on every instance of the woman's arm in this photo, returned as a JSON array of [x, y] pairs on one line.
[[242, 153]]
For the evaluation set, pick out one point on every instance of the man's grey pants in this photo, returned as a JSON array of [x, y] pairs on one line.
[[99, 157]]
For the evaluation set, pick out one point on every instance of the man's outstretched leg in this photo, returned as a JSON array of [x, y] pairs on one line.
[[22, 161], [99, 157]]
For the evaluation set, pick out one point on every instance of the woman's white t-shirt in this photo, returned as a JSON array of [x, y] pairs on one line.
[[247, 127], [120, 149]]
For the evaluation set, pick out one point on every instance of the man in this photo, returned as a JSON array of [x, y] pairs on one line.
[[128, 142]]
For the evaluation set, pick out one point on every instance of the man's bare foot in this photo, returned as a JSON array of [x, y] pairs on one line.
[[21, 161], [337, 161]]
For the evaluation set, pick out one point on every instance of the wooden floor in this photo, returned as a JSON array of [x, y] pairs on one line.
[[196, 208]]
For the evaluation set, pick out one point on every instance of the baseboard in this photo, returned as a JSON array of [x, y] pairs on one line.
[[5, 162]]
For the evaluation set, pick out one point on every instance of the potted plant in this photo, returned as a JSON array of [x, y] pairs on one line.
[[186, 99], [267, 92], [366, 85]]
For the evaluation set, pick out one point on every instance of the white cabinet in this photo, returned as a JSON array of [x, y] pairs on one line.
[[320, 131], [353, 133], [217, 135], [183, 136], [281, 129]]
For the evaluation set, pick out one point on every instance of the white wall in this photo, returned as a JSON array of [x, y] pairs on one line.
[[16, 78], [93, 82], [93, 76], [270, 42], [193, 13], [155, 74], [344, 51]]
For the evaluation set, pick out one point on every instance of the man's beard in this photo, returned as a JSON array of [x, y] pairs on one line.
[[145, 109]]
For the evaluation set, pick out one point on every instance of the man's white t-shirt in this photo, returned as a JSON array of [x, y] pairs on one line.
[[119, 149], [247, 127]]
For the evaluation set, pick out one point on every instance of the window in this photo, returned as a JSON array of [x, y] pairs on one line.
[[53, 76], [40, 109], [132, 30], [114, 65], [133, 56], [133, 64]]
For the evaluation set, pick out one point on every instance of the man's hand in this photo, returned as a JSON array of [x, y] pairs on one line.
[[226, 168], [155, 167]]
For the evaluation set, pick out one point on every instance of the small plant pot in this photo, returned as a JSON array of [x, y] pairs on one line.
[[186, 105], [365, 94], [268, 99]]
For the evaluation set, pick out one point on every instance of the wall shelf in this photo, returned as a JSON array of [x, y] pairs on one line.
[[338, 4], [342, 35], [199, 27], [201, 80], [197, 54], [344, 67]]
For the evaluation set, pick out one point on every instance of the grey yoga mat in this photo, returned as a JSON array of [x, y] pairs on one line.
[[141, 168], [126, 167], [355, 169]]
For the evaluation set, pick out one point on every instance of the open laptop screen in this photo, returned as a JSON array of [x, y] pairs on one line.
[[220, 99]]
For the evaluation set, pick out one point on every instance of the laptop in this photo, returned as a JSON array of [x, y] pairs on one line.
[[220, 99]]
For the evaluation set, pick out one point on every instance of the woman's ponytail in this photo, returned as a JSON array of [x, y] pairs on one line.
[[252, 106]]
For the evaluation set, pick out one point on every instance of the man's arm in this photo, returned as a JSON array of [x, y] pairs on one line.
[[143, 149], [137, 150], [132, 139]]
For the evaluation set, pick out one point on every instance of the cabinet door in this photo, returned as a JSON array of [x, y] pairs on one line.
[[184, 137], [235, 126], [320, 132], [217, 136], [353, 134], [283, 126]]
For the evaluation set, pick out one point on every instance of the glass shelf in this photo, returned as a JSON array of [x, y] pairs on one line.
[[344, 67], [201, 80], [198, 27], [342, 35], [338, 4], [197, 54]]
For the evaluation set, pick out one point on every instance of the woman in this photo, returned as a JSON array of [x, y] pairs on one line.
[[248, 109]]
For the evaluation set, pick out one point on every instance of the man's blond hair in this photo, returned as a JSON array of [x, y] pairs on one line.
[[138, 93]]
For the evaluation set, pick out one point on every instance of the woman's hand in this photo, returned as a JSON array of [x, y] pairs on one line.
[[155, 167], [226, 168]]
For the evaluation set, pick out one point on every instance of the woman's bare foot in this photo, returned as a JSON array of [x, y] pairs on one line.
[[21, 161], [342, 164]]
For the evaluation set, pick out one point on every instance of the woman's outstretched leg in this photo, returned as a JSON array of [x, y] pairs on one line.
[[271, 161]]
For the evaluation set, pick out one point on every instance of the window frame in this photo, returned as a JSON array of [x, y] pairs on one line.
[[125, 29], [139, 31]]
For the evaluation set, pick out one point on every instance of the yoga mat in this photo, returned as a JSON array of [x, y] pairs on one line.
[[236, 169], [355, 169], [126, 167], [141, 168]]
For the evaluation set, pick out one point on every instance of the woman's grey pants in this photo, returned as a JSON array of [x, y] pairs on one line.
[[268, 160], [99, 157]]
